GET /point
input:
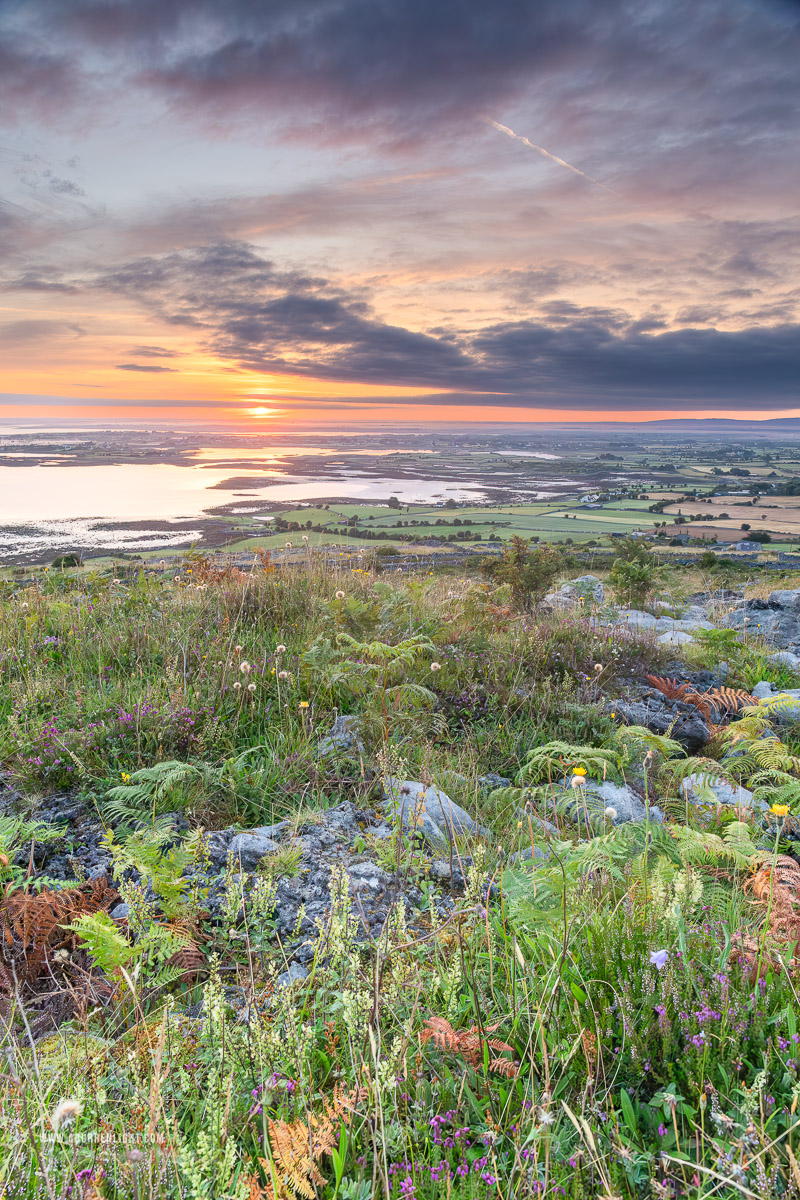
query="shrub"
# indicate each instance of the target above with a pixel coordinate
(529, 572)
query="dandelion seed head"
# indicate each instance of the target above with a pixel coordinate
(64, 1112)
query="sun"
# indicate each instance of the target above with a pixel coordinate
(262, 412)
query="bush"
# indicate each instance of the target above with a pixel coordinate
(528, 571)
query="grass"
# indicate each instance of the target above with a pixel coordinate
(617, 1019)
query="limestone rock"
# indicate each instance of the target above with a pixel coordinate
(427, 809)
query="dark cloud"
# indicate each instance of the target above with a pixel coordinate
(259, 318)
(34, 78)
(150, 369)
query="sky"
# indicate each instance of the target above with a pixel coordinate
(327, 211)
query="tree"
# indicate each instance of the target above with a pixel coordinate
(393, 502)
(761, 535)
(744, 526)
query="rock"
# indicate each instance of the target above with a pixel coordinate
(700, 789)
(490, 781)
(636, 618)
(679, 721)
(587, 586)
(675, 638)
(781, 627)
(250, 847)
(785, 658)
(295, 974)
(426, 809)
(626, 804)
(120, 912)
(342, 739)
(787, 708)
(785, 598)
(527, 854)
(680, 625)
(368, 877)
(444, 872)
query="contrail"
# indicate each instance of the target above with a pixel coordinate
(541, 150)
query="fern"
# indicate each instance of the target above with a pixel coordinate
(149, 956)
(637, 739)
(143, 851)
(554, 759)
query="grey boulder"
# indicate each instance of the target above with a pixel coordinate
(342, 739)
(785, 598)
(250, 847)
(679, 721)
(675, 637)
(427, 810)
(785, 658)
(295, 974)
(702, 789)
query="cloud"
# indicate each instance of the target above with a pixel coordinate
(152, 352)
(34, 79)
(260, 318)
(20, 333)
(151, 369)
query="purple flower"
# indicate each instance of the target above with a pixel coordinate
(659, 958)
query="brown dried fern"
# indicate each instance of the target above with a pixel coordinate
(469, 1044)
(298, 1146)
(33, 927)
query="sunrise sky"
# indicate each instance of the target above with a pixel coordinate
(399, 210)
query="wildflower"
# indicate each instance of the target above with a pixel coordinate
(305, 537)
(780, 810)
(579, 771)
(283, 674)
(598, 667)
(288, 546)
(125, 776)
(340, 595)
(578, 781)
(245, 667)
(435, 666)
(611, 813)
(303, 704)
(280, 649)
(237, 649)
(251, 687)
(65, 1110)
(236, 686)
(659, 959)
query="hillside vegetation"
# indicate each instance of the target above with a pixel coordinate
(344, 886)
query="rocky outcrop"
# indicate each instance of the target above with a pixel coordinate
(671, 717)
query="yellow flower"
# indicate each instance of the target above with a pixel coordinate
(780, 810)
(579, 771)
(125, 776)
(303, 704)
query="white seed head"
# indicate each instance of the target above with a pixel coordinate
(435, 666)
(611, 813)
(65, 1111)
(280, 649)
(251, 687)
(340, 595)
(245, 667)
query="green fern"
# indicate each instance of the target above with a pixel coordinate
(143, 851)
(148, 957)
(553, 760)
